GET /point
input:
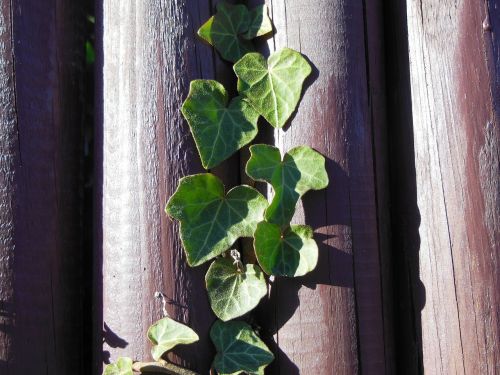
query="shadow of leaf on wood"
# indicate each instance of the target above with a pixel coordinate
(113, 340)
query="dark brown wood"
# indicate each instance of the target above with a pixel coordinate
(455, 79)
(150, 54)
(41, 55)
(336, 320)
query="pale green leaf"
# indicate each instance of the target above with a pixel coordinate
(273, 87)
(219, 130)
(166, 333)
(224, 31)
(234, 292)
(211, 221)
(239, 349)
(302, 169)
(287, 252)
(123, 366)
(260, 23)
(161, 367)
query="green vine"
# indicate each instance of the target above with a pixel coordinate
(212, 220)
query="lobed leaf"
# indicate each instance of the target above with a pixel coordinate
(301, 170)
(232, 292)
(260, 23)
(290, 252)
(219, 130)
(123, 366)
(239, 349)
(161, 367)
(273, 87)
(211, 221)
(166, 333)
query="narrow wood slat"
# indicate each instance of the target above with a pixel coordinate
(41, 57)
(454, 70)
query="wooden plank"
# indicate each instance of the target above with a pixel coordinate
(150, 54)
(333, 320)
(40, 118)
(454, 85)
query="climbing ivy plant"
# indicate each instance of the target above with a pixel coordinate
(212, 220)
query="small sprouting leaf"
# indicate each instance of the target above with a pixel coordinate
(301, 170)
(211, 221)
(224, 29)
(239, 349)
(273, 87)
(123, 366)
(166, 333)
(219, 130)
(233, 292)
(260, 23)
(287, 252)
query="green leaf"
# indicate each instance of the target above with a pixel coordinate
(260, 23)
(273, 87)
(232, 292)
(161, 367)
(166, 333)
(287, 252)
(224, 29)
(238, 349)
(219, 130)
(212, 221)
(123, 366)
(301, 170)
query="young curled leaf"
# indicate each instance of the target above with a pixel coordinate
(273, 86)
(232, 27)
(219, 129)
(239, 349)
(211, 221)
(233, 292)
(301, 170)
(287, 252)
(166, 333)
(123, 366)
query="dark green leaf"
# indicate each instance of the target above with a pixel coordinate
(273, 87)
(301, 170)
(260, 24)
(212, 221)
(166, 333)
(234, 292)
(219, 130)
(285, 252)
(224, 29)
(239, 349)
(123, 366)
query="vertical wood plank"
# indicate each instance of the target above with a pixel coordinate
(333, 321)
(41, 55)
(454, 85)
(150, 55)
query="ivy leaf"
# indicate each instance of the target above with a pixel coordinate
(273, 87)
(166, 333)
(212, 221)
(287, 252)
(123, 366)
(161, 367)
(232, 292)
(224, 29)
(260, 23)
(219, 130)
(301, 170)
(239, 349)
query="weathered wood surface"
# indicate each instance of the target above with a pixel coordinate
(150, 54)
(41, 56)
(454, 70)
(336, 320)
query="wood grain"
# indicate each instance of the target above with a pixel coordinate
(334, 321)
(454, 86)
(149, 56)
(41, 55)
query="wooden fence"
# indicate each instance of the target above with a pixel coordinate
(404, 103)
